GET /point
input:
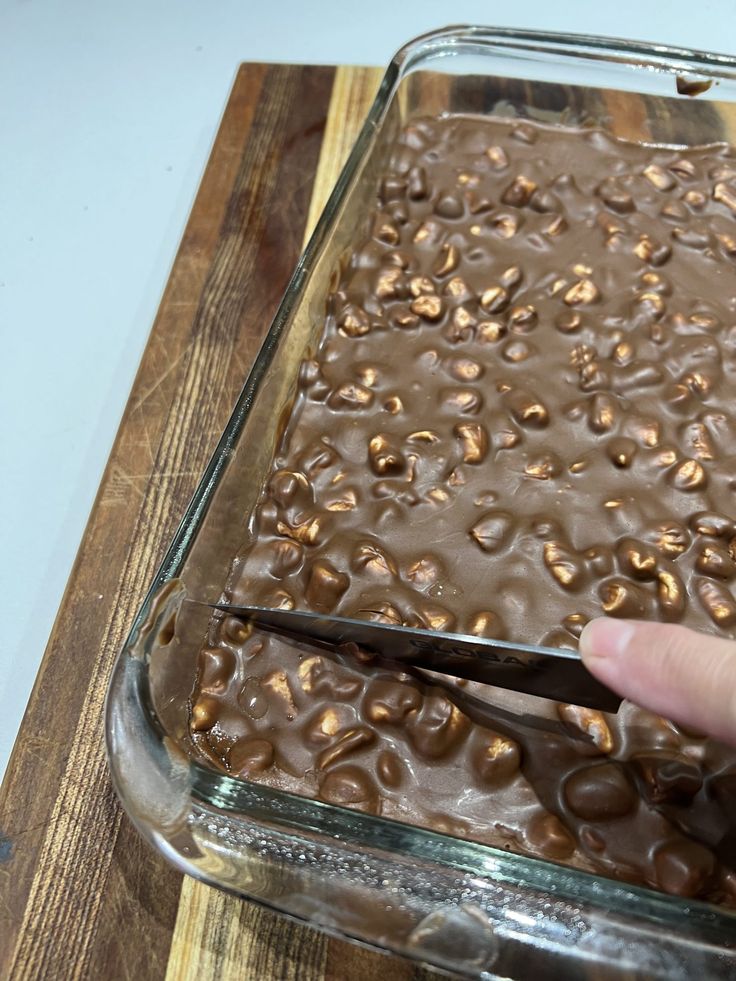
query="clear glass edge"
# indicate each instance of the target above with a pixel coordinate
(463, 855)
(669, 58)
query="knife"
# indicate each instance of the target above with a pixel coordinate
(543, 671)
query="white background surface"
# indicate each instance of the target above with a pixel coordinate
(107, 114)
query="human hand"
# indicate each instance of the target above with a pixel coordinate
(686, 676)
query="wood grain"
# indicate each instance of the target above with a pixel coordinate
(352, 94)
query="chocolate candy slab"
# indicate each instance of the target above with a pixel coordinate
(521, 415)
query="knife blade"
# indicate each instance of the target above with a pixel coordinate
(543, 671)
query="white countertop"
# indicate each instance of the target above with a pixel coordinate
(107, 114)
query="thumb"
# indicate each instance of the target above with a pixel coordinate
(685, 676)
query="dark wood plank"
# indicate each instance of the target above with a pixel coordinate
(80, 896)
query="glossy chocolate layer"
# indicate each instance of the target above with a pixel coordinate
(521, 415)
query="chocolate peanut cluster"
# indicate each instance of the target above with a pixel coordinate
(520, 416)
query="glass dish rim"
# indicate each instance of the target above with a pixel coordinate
(582, 884)
(585, 45)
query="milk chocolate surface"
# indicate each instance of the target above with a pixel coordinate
(520, 415)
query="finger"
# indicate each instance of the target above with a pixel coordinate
(686, 676)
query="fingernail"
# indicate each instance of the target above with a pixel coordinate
(606, 637)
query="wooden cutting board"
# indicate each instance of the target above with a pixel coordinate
(81, 896)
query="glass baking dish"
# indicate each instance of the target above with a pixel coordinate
(464, 907)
